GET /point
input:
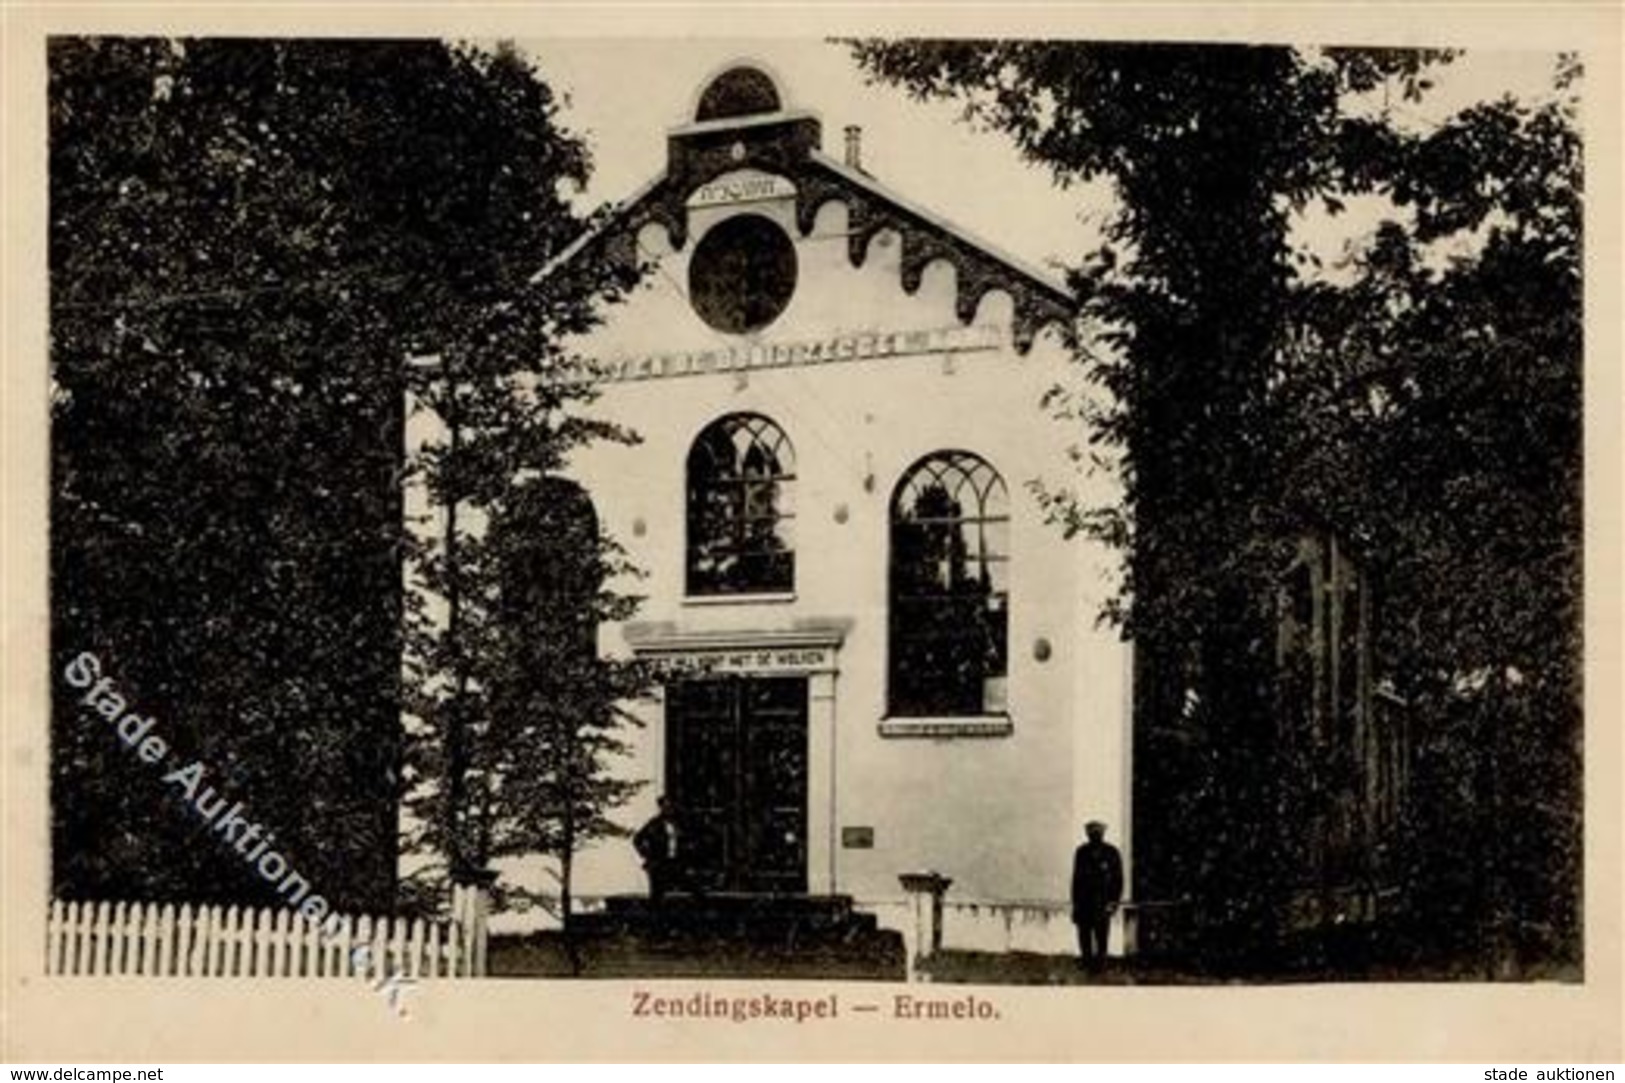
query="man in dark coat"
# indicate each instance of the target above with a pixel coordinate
(659, 844)
(1097, 887)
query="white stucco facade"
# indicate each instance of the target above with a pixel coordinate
(866, 378)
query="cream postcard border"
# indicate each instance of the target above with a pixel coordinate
(85, 1020)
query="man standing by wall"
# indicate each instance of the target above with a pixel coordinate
(657, 843)
(1097, 886)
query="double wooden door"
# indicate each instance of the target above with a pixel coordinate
(736, 768)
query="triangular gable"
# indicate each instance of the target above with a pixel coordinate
(787, 144)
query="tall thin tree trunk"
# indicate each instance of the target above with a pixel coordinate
(456, 735)
(567, 849)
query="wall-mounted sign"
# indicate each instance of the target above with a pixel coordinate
(754, 660)
(742, 186)
(851, 346)
(857, 838)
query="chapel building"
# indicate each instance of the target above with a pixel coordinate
(892, 659)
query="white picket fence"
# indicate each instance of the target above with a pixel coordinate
(152, 940)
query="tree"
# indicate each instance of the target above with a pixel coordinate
(247, 239)
(1234, 424)
(514, 718)
(558, 708)
(1210, 149)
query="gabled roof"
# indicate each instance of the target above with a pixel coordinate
(1041, 277)
(787, 144)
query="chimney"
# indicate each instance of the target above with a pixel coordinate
(854, 146)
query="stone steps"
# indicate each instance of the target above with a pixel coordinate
(714, 935)
(763, 919)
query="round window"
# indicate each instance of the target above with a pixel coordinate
(742, 273)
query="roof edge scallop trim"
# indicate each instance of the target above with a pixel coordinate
(1041, 297)
(1040, 276)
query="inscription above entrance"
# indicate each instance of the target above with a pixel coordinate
(812, 648)
(767, 660)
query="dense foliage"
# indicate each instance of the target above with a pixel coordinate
(1438, 405)
(248, 240)
(1430, 417)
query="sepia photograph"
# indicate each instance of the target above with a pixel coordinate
(843, 526)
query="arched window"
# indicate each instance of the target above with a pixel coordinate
(950, 527)
(740, 91)
(741, 479)
(551, 572)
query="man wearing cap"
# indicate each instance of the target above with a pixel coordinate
(1097, 886)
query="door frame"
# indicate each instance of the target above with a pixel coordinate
(811, 650)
